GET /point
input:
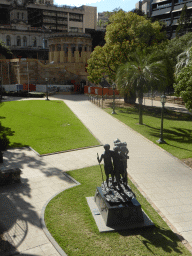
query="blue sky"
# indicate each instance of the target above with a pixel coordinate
(102, 5)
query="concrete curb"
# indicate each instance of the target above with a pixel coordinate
(58, 152)
(42, 220)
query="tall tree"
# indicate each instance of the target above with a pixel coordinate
(183, 81)
(183, 85)
(4, 50)
(140, 73)
(125, 33)
(184, 22)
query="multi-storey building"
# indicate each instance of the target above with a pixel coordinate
(103, 19)
(144, 6)
(169, 11)
(25, 26)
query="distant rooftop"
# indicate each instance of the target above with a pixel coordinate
(69, 7)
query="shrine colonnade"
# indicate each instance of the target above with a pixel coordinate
(69, 52)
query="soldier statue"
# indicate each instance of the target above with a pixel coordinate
(108, 166)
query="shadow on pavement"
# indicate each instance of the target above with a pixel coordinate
(17, 205)
(73, 97)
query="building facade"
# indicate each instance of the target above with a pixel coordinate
(102, 21)
(25, 26)
(169, 11)
(144, 6)
(70, 47)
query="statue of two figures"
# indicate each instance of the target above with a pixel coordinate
(115, 162)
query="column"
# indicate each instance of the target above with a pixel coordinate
(62, 54)
(76, 53)
(69, 53)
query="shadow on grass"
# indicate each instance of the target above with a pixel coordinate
(181, 135)
(155, 236)
(156, 112)
(8, 133)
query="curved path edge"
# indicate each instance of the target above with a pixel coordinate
(42, 219)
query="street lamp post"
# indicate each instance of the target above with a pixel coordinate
(102, 84)
(46, 80)
(163, 100)
(113, 99)
(1, 87)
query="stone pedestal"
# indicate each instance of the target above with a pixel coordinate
(126, 214)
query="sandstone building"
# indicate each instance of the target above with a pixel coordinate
(47, 41)
(25, 26)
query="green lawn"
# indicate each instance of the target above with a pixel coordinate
(70, 222)
(177, 130)
(46, 126)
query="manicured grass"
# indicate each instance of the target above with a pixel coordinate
(177, 130)
(70, 222)
(46, 126)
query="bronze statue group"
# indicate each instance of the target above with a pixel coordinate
(115, 162)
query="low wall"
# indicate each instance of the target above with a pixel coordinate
(10, 87)
(39, 87)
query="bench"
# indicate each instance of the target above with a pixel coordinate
(9, 176)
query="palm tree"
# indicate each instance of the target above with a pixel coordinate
(184, 58)
(141, 73)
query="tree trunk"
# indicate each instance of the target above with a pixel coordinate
(130, 98)
(141, 106)
(1, 157)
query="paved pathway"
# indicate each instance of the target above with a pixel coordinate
(164, 180)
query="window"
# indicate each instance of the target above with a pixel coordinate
(73, 29)
(45, 43)
(22, 16)
(65, 48)
(80, 49)
(72, 49)
(18, 15)
(34, 42)
(75, 17)
(58, 47)
(24, 41)
(8, 40)
(18, 41)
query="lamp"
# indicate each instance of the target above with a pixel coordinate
(114, 87)
(1, 87)
(163, 101)
(46, 80)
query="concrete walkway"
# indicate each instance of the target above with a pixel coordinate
(163, 179)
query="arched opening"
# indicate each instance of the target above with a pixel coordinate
(18, 41)
(24, 41)
(34, 42)
(8, 40)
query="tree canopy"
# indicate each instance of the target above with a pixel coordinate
(125, 33)
(183, 80)
(4, 50)
(184, 21)
(183, 85)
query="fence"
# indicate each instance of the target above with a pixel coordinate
(99, 91)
